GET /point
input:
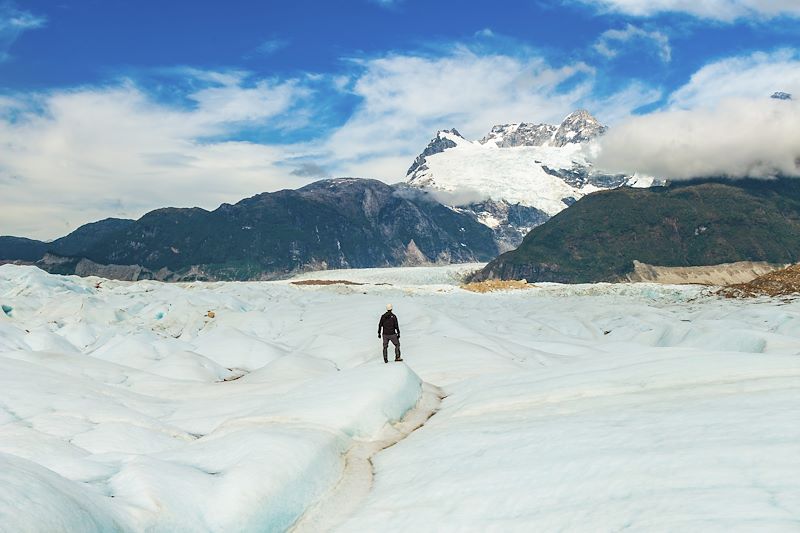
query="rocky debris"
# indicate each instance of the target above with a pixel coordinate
(493, 285)
(414, 256)
(721, 274)
(779, 95)
(783, 282)
(85, 267)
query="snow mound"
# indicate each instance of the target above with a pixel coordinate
(36, 499)
(128, 406)
(600, 407)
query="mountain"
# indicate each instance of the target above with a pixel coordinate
(339, 223)
(540, 168)
(29, 250)
(522, 134)
(87, 236)
(21, 249)
(694, 223)
(579, 127)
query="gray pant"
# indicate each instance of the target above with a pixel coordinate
(396, 341)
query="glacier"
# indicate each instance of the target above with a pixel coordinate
(240, 406)
(547, 167)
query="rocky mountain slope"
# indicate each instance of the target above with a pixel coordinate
(705, 222)
(539, 169)
(338, 223)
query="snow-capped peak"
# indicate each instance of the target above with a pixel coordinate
(443, 140)
(578, 127)
(536, 165)
(521, 134)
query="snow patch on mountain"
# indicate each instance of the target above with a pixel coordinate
(512, 174)
(538, 165)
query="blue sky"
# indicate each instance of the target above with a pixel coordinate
(118, 107)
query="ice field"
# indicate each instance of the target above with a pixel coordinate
(267, 406)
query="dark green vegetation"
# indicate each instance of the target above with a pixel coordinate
(21, 249)
(29, 250)
(703, 222)
(88, 235)
(342, 223)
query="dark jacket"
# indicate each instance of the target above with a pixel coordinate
(388, 323)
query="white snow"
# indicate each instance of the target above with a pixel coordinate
(514, 174)
(594, 407)
(114, 411)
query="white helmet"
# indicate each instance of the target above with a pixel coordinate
(388, 307)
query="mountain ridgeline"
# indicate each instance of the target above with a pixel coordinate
(30, 250)
(526, 189)
(702, 222)
(339, 223)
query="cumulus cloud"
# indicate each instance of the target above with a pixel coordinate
(116, 151)
(737, 138)
(13, 23)
(612, 43)
(751, 76)
(721, 123)
(720, 10)
(404, 98)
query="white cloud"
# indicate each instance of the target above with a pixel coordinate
(738, 138)
(721, 123)
(69, 157)
(406, 98)
(116, 150)
(613, 42)
(752, 76)
(14, 23)
(270, 46)
(721, 10)
(387, 3)
(231, 103)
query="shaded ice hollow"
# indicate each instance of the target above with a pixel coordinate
(125, 406)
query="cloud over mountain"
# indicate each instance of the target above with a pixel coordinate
(721, 123)
(737, 138)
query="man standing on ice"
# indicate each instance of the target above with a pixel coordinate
(391, 332)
